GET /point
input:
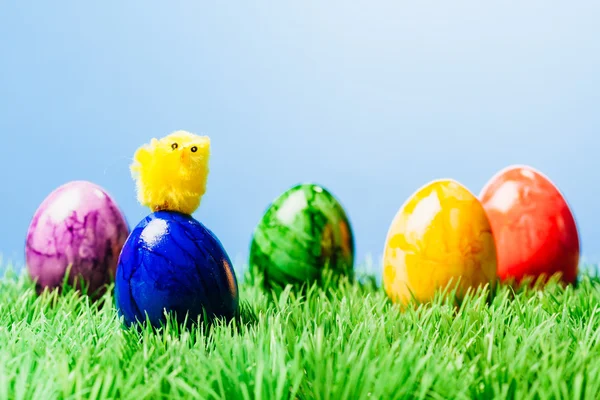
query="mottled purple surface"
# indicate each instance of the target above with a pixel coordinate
(77, 224)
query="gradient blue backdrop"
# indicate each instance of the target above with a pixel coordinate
(371, 99)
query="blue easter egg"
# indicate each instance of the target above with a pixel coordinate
(171, 262)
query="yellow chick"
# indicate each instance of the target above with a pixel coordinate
(171, 172)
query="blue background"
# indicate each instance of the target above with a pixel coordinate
(371, 99)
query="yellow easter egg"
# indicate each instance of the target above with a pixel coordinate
(440, 237)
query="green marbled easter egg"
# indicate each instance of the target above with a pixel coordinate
(303, 233)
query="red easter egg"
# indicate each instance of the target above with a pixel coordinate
(534, 229)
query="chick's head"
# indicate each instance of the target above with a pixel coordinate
(186, 154)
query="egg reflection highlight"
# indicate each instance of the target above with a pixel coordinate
(440, 236)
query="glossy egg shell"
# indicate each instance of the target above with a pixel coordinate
(440, 234)
(173, 263)
(302, 233)
(535, 231)
(77, 225)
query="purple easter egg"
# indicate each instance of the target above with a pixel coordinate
(77, 225)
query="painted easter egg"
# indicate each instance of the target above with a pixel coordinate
(440, 237)
(78, 226)
(535, 231)
(172, 263)
(303, 233)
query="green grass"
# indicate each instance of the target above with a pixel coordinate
(334, 343)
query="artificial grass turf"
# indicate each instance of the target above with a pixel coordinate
(345, 342)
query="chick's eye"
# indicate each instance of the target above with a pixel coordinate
(174, 146)
(194, 149)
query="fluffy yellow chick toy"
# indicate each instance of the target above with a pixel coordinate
(171, 172)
